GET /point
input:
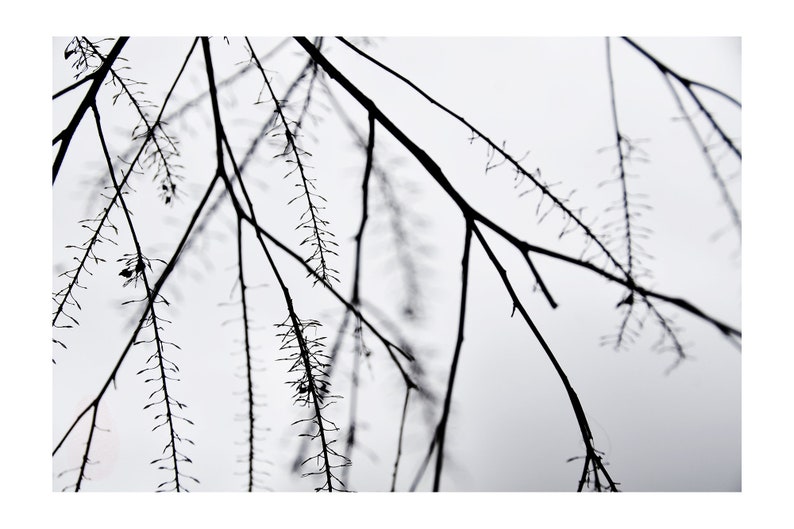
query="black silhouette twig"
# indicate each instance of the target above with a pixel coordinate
(319, 238)
(688, 85)
(442, 424)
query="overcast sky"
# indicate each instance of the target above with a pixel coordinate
(511, 427)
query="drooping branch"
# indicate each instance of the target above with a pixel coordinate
(531, 175)
(400, 439)
(715, 173)
(442, 424)
(468, 211)
(688, 85)
(66, 294)
(247, 344)
(196, 101)
(355, 299)
(402, 231)
(161, 281)
(309, 91)
(391, 347)
(135, 268)
(154, 134)
(81, 476)
(625, 148)
(360, 349)
(368, 146)
(619, 142)
(306, 350)
(311, 387)
(255, 143)
(581, 418)
(320, 238)
(65, 136)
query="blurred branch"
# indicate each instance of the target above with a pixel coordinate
(715, 173)
(404, 234)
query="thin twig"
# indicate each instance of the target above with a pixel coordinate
(247, 342)
(316, 224)
(400, 439)
(442, 425)
(139, 271)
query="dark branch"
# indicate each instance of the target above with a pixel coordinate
(688, 84)
(442, 425)
(65, 136)
(468, 211)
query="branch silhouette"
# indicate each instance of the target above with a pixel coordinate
(688, 85)
(469, 212)
(235, 180)
(66, 294)
(320, 236)
(64, 138)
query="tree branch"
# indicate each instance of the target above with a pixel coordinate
(442, 425)
(467, 210)
(65, 136)
(688, 84)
